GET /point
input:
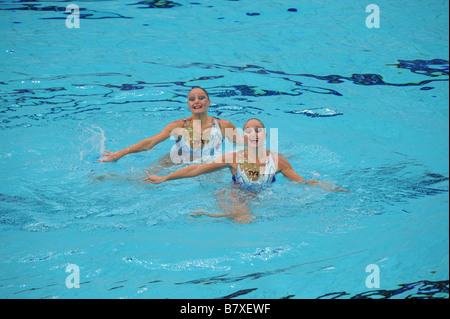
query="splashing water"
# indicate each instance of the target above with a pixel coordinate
(93, 142)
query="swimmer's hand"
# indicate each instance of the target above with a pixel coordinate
(154, 179)
(110, 156)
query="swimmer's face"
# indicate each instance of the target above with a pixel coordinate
(198, 101)
(254, 133)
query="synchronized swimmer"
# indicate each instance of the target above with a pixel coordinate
(203, 140)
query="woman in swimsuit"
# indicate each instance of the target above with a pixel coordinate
(254, 167)
(199, 137)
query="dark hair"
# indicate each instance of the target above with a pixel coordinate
(197, 87)
(254, 118)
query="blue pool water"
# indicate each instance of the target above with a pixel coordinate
(365, 108)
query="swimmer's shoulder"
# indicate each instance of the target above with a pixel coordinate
(179, 123)
(277, 156)
(175, 128)
(225, 123)
(280, 162)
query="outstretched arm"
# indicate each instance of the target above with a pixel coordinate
(190, 171)
(286, 169)
(144, 145)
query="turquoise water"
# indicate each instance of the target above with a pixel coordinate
(365, 108)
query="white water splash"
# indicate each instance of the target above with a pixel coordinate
(92, 142)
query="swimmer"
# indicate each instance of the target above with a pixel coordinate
(199, 136)
(252, 167)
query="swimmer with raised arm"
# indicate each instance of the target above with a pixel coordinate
(199, 136)
(254, 166)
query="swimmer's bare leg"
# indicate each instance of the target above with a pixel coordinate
(200, 213)
(236, 216)
(234, 206)
(240, 218)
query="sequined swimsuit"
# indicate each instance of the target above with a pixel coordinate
(185, 150)
(266, 178)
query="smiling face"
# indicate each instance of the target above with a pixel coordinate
(198, 101)
(254, 133)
